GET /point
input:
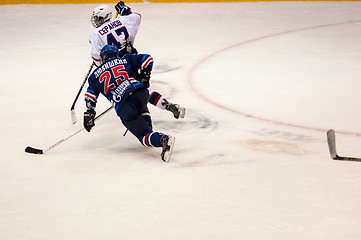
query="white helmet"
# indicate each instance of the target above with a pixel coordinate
(100, 15)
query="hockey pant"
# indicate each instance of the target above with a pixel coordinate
(136, 118)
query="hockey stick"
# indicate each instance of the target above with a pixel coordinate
(42, 151)
(72, 109)
(331, 140)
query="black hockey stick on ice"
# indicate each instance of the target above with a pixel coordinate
(331, 140)
(72, 109)
(42, 151)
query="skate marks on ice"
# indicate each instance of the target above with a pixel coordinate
(164, 68)
(287, 143)
(271, 142)
(286, 135)
(197, 144)
(218, 157)
(166, 65)
(194, 120)
(163, 86)
(213, 159)
(274, 147)
(189, 133)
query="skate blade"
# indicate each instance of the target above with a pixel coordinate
(166, 154)
(182, 112)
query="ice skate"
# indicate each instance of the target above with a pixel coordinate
(178, 111)
(167, 147)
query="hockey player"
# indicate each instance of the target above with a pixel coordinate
(124, 81)
(121, 32)
(118, 31)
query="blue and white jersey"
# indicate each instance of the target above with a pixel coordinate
(116, 79)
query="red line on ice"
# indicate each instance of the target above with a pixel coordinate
(206, 58)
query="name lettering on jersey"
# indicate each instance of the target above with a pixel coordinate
(108, 65)
(109, 27)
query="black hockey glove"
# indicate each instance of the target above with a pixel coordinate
(144, 78)
(128, 49)
(89, 117)
(122, 9)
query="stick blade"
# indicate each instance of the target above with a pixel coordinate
(331, 140)
(73, 116)
(33, 150)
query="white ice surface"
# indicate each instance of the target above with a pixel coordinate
(262, 83)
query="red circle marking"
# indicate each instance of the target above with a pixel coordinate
(206, 58)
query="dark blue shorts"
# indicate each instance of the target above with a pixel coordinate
(131, 112)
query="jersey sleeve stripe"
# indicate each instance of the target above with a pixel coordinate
(147, 62)
(90, 97)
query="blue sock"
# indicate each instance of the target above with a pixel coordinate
(151, 139)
